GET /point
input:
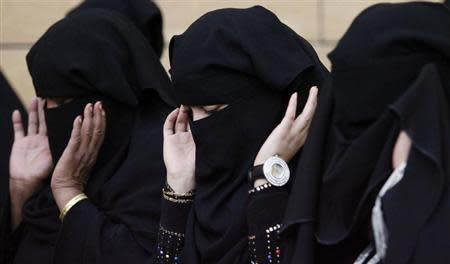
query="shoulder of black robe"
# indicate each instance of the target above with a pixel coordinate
(250, 60)
(374, 65)
(145, 14)
(8, 103)
(95, 52)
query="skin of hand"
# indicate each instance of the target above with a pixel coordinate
(30, 160)
(179, 151)
(401, 150)
(290, 135)
(73, 168)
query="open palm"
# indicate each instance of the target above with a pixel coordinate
(30, 160)
(179, 151)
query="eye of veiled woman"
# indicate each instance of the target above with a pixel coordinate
(210, 109)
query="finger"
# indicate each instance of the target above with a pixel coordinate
(17, 124)
(188, 127)
(86, 128)
(33, 117)
(75, 137)
(170, 123)
(304, 119)
(292, 108)
(98, 130)
(41, 116)
(182, 120)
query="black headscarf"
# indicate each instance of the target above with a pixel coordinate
(8, 102)
(390, 72)
(250, 60)
(97, 55)
(144, 14)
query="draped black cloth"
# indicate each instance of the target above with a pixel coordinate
(390, 72)
(98, 55)
(145, 14)
(8, 102)
(250, 60)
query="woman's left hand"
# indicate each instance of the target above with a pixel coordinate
(73, 168)
(290, 135)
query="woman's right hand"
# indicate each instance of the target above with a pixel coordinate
(30, 161)
(179, 151)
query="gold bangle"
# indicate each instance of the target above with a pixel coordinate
(70, 204)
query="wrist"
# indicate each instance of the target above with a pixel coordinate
(21, 190)
(259, 182)
(63, 195)
(259, 161)
(181, 185)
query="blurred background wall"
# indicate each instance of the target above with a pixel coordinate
(322, 22)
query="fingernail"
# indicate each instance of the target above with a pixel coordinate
(103, 113)
(100, 105)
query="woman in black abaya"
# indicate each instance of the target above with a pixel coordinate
(233, 72)
(92, 61)
(380, 145)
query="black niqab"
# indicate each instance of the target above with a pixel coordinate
(250, 60)
(97, 55)
(390, 72)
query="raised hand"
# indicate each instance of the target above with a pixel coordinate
(30, 161)
(290, 135)
(179, 151)
(73, 168)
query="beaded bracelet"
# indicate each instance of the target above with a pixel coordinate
(177, 200)
(260, 188)
(169, 194)
(169, 191)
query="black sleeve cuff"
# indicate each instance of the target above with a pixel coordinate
(174, 215)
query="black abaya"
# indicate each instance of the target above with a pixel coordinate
(250, 60)
(95, 55)
(390, 73)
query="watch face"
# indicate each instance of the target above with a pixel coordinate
(276, 171)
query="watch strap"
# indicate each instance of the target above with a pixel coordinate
(256, 173)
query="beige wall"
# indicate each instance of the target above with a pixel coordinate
(322, 22)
